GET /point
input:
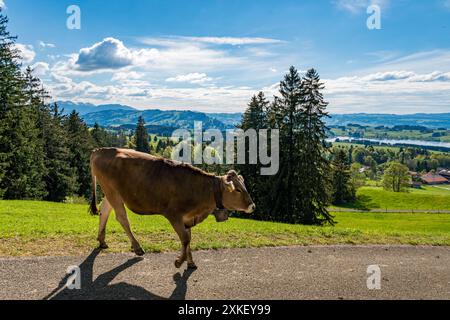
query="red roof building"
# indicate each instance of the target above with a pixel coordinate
(432, 179)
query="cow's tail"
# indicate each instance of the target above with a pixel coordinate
(93, 210)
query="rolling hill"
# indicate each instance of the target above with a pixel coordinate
(175, 119)
(115, 115)
(85, 108)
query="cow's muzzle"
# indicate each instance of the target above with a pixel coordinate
(251, 208)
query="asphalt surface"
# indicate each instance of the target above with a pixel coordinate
(316, 272)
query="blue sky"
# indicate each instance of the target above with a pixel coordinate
(213, 56)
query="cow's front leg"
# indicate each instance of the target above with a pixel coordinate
(105, 210)
(185, 239)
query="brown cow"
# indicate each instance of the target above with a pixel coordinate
(150, 185)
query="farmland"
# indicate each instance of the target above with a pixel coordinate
(30, 228)
(427, 198)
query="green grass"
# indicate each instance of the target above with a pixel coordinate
(427, 198)
(42, 228)
(385, 147)
(372, 133)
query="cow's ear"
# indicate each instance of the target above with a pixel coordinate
(232, 174)
(229, 185)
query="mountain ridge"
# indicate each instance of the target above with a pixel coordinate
(118, 115)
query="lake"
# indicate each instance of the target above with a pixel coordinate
(394, 142)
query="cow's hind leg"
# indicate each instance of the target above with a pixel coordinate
(121, 216)
(105, 210)
(185, 238)
(190, 261)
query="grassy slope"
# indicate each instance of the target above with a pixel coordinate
(427, 198)
(41, 228)
(372, 133)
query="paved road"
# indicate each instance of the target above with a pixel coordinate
(317, 272)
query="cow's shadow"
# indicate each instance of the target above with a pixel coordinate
(101, 289)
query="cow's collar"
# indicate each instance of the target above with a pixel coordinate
(217, 189)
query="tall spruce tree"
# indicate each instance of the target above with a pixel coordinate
(80, 146)
(255, 117)
(284, 115)
(99, 135)
(142, 137)
(313, 167)
(10, 92)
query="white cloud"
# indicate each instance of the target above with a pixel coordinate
(383, 55)
(408, 75)
(145, 96)
(357, 6)
(26, 52)
(185, 57)
(384, 92)
(40, 68)
(419, 62)
(194, 78)
(234, 41)
(2, 4)
(65, 88)
(107, 54)
(131, 75)
(42, 44)
(392, 92)
(149, 76)
(111, 54)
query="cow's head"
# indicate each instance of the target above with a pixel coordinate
(235, 196)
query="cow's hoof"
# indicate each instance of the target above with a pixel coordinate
(178, 263)
(139, 252)
(103, 246)
(192, 266)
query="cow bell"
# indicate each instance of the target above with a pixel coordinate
(221, 215)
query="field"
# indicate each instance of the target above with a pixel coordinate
(387, 133)
(428, 198)
(40, 228)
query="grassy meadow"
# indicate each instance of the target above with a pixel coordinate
(427, 198)
(41, 228)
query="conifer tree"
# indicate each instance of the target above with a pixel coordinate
(313, 167)
(142, 137)
(60, 178)
(284, 115)
(99, 136)
(255, 117)
(80, 146)
(21, 150)
(342, 189)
